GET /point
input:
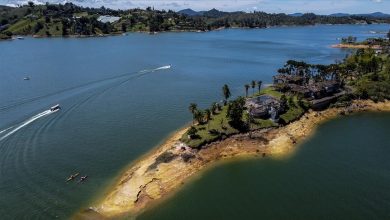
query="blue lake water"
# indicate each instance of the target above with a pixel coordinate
(117, 104)
(343, 172)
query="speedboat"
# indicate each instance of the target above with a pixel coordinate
(72, 177)
(26, 78)
(20, 38)
(55, 108)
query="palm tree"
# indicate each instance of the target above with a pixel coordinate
(253, 85)
(207, 117)
(226, 92)
(207, 114)
(193, 109)
(246, 90)
(259, 84)
(199, 115)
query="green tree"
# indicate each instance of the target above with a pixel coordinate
(301, 103)
(226, 92)
(38, 27)
(199, 116)
(193, 108)
(4, 21)
(235, 111)
(246, 90)
(253, 85)
(192, 132)
(207, 115)
(291, 101)
(124, 27)
(283, 103)
(259, 84)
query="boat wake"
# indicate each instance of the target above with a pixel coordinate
(125, 75)
(12, 130)
(156, 69)
(163, 68)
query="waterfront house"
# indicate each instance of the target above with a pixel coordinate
(263, 106)
(300, 90)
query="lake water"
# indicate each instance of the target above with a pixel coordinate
(343, 172)
(118, 103)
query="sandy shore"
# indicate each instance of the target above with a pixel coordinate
(142, 184)
(355, 46)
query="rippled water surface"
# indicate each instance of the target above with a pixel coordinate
(119, 99)
(343, 172)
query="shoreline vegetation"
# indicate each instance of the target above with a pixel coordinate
(270, 122)
(70, 20)
(140, 186)
(350, 42)
(355, 46)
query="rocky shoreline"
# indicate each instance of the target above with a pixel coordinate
(159, 173)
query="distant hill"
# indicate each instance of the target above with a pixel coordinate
(373, 15)
(190, 12)
(340, 15)
(213, 13)
(296, 14)
(377, 15)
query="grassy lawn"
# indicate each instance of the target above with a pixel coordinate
(293, 113)
(270, 91)
(219, 122)
(262, 123)
(220, 126)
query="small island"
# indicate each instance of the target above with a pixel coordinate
(268, 121)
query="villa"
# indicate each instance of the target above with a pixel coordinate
(263, 106)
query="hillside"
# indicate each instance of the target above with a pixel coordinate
(72, 20)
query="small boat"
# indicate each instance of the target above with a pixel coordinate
(26, 78)
(20, 38)
(72, 177)
(83, 178)
(55, 108)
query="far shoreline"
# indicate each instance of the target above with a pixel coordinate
(342, 46)
(355, 46)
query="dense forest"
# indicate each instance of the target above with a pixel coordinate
(69, 19)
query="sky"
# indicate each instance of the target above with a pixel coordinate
(271, 6)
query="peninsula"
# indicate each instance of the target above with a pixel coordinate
(267, 122)
(374, 43)
(70, 20)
